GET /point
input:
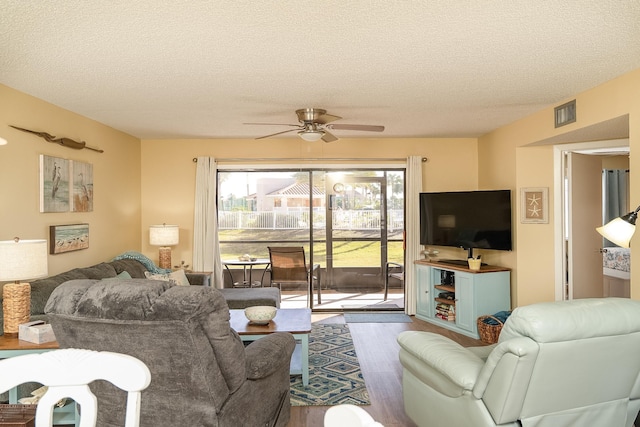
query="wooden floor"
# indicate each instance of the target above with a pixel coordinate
(377, 351)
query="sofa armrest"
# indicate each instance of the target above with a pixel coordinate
(201, 279)
(269, 355)
(439, 362)
(482, 352)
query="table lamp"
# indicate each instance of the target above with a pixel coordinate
(164, 236)
(20, 260)
(621, 229)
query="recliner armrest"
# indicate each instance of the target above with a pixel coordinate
(439, 362)
(268, 354)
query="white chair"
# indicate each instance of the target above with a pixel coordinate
(349, 416)
(68, 372)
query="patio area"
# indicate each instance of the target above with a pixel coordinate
(345, 301)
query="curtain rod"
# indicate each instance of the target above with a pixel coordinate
(294, 159)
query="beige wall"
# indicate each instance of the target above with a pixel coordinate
(168, 172)
(114, 225)
(139, 183)
(504, 157)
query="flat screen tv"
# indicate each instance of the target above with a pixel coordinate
(466, 219)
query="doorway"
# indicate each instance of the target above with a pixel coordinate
(578, 210)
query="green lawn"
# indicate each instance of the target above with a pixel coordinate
(235, 243)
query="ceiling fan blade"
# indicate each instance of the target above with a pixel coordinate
(278, 133)
(369, 128)
(271, 124)
(329, 137)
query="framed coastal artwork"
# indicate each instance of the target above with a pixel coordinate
(68, 238)
(534, 207)
(54, 184)
(81, 186)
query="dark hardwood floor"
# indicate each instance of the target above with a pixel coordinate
(377, 351)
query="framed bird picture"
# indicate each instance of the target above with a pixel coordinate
(67, 238)
(54, 184)
(81, 186)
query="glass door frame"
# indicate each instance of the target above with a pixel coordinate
(313, 173)
(331, 184)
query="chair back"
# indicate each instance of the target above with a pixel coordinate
(578, 361)
(288, 264)
(347, 415)
(182, 333)
(67, 374)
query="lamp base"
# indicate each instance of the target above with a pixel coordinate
(16, 306)
(164, 257)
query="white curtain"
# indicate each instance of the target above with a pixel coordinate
(615, 189)
(412, 229)
(206, 243)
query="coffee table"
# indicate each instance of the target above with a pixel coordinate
(11, 346)
(296, 321)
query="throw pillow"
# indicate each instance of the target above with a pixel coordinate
(120, 276)
(177, 277)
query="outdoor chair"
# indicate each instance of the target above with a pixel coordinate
(392, 270)
(289, 267)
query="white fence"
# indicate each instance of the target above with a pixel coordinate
(293, 220)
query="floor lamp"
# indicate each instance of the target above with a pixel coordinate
(20, 260)
(164, 236)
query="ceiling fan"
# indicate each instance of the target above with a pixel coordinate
(315, 124)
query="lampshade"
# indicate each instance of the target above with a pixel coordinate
(621, 229)
(20, 260)
(311, 135)
(23, 259)
(164, 235)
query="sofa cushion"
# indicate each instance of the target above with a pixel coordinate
(121, 276)
(98, 271)
(176, 277)
(135, 268)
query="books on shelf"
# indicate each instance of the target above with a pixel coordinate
(446, 311)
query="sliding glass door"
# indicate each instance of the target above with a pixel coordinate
(350, 222)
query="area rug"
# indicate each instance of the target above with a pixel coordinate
(334, 372)
(377, 318)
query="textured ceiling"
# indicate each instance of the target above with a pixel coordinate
(200, 69)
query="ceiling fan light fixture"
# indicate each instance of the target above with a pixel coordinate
(311, 135)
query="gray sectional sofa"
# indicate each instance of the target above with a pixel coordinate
(41, 289)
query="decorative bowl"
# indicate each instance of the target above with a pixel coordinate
(260, 314)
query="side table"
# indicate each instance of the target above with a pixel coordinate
(246, 272)
(12, 347)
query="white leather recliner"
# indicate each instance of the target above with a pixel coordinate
(566, 363)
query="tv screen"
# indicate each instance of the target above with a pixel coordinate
(466, 219)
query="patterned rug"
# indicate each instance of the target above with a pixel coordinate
(334, 372)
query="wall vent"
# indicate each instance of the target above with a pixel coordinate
(565, 113)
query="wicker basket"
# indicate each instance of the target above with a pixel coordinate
(16, 305)
(489, 333)
(17, 415)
